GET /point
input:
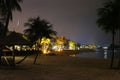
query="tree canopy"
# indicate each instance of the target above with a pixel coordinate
(6, 10)
(36, 28)
(109, 20)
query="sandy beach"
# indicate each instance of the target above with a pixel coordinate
(61, 68)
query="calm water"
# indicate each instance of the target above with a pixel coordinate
(106, 54)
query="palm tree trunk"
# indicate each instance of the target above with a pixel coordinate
(113, 44)
(7, 23)
(0, 55)
(37, 53)
(35, 58)
(13, 54)
(118, 66)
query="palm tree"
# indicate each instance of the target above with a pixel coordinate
(109, 21)
(6, 10)
(38, 28)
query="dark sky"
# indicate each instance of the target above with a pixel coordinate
(74, 19)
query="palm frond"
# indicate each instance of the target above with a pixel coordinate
(39, 28)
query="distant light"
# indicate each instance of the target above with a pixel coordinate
(105, 47)
(55, 47)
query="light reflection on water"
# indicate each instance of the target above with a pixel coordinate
(103, 54)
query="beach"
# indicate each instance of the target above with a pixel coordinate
(61, 68)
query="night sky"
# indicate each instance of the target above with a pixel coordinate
(74, 19)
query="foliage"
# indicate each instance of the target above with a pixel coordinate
(6, 10)
(109, 20)
(36, 28)
(45, 40)
(72, 45)
(60, 40)
(108, 17)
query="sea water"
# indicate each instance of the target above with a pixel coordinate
(99, 54)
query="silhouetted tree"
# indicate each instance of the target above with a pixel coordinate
(38, 28)
(109, 20)
(6, 10)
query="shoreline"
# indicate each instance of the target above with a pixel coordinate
(70, 52)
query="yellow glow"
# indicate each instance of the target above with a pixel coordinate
(60, 41)
(45, 40)
(89, 46)
(72, 45)
(59, 50)
(44, 52)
